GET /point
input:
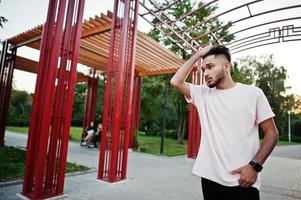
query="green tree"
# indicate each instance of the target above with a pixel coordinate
(100, 97)
(242, 74)
(176, 12)
(19, 108)
(271, 79)
(151, 102)
(80, 94)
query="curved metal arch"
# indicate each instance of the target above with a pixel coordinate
(191, 44)
(288, 31)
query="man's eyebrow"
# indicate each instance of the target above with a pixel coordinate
(210, 63)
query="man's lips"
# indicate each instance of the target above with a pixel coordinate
(208, 80)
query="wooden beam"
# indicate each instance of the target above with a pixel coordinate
(159, 72)
(96, 30)
(31, 66)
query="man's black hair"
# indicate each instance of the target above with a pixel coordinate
(219, 50)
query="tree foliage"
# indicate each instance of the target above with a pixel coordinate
(19, 108)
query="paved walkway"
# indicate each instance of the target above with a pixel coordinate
(161, 178)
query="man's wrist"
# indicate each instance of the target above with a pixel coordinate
(256, 166)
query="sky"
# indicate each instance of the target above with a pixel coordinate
(23, 15)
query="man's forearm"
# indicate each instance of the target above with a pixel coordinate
(266, 147)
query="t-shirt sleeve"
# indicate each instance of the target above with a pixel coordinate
(263, 108)
(196, 93)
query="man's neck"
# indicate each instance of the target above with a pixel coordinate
(227, 83)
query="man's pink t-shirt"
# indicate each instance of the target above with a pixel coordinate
(229, 125)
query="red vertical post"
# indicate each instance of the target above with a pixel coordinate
(190, 122)
(105, 146)
(119, 89)
(119, 93)
(194, 128)
(138, 103)
(6, 76)
(136, 109)
(58, 112)
(3, 67)
(91, 99)
(3, 59)
(130, 89)
(52, 105)
(70, 87)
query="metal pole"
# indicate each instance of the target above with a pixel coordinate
(289, 126)
(164, 116)
(69, 97)
(106, 120)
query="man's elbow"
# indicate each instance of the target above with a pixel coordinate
(175, 83)
(275, 136)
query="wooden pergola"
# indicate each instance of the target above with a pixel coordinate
(151, 57)
(107, 43)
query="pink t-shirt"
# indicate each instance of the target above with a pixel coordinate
(229, 122)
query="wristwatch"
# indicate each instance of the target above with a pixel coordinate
(256, 166)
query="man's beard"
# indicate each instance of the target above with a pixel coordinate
(219, 79)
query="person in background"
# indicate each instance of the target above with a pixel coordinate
(91, 130)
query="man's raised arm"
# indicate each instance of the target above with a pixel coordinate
(178, 80)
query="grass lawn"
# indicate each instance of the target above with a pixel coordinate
(282, 142)
(12, 164)
(151, 144)
(16, 129)
(75, 132)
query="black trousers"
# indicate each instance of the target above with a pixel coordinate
(215, 191)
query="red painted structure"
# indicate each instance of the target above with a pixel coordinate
(7, 61)
(135, 122)
(118, 92)
(91, 99)
(194, 127)
(52, 104)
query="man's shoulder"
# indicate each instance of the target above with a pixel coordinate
(251, 88)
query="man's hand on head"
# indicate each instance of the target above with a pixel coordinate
(203, 50)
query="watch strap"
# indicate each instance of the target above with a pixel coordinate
(256, 166)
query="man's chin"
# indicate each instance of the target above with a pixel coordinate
(211, 85)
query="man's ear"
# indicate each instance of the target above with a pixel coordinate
(227, 67)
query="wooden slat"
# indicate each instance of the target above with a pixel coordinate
(96, 30)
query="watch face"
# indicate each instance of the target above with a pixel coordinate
(256, 166)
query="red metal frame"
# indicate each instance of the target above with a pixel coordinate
(91, 100)
(119, 93)
(6, 76)
(135, 122)
(52, 105)
(194, 126)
